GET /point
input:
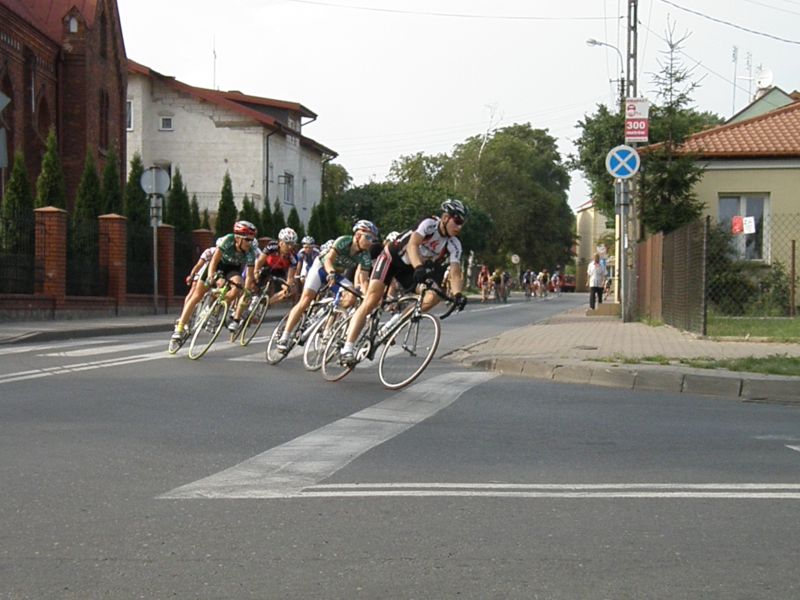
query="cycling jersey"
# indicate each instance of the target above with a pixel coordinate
(306, 258)
(344, 260)
(231, 256)
(434, 246)
(277, 261)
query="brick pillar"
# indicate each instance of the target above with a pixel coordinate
(166, 262)
(51, 254)
(201, 239)
(114, 254)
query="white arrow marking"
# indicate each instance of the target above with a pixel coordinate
(797, 448)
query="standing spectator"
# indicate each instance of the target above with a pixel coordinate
(597, 279)
(484, 283)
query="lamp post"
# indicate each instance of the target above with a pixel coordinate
(594, 42)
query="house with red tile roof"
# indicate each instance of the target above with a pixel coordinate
(752, 169)
(204, 132)
(63, 65)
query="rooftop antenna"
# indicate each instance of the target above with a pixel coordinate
(214, 50)
(749, 78)
(735, 58)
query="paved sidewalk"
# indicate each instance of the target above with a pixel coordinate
(576, 348)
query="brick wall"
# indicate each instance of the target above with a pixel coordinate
(166, 262)
(113, 255)
(51, 254)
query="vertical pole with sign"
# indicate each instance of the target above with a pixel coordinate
(155, 182)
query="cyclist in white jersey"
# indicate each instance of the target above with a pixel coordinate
(413, 258)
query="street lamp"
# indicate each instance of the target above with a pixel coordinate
(594, 42)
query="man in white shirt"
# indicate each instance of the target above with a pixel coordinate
(597, 280)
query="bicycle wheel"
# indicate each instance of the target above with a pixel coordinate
(332, 367)
(253, 322)
(207, 329)
(318, 339)
(409, 350)
(274, 356)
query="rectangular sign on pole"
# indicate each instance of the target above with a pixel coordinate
(637, 120)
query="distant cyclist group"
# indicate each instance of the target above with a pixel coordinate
(356, 297)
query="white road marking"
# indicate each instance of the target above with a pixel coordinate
(87, 366)
(15, 349)
(107, 349)
(284, 471)
(793, 447)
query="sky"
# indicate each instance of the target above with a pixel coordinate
(389, 78)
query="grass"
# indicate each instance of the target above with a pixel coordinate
(773, 329)
(777, 364)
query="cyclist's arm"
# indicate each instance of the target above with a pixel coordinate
(249, 278)
(328, 262)
(212, 267)
(362, 278)
(456, 279)
(412, 249)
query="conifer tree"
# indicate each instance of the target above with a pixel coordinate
(315, 226)
(50, 188)
(195, 213)
(278, 220)
(178, 210)
(250, 213)
(111, 192)
(88, 205)
(226, 213)
(137, 205)
(267, 225)
(16, 216)
(205, 223)
(295, 223)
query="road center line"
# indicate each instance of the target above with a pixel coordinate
(284, 471)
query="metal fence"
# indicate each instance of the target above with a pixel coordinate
(84, 276)
(17, 255)
(140, 259)
(682, 296)
(754, 274)
(184, 250)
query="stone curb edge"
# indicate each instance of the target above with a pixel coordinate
(748, 387)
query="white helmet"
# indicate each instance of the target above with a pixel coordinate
(308, 241)
(392, 236)
(288, 235)
(326, 246)
(364, 225)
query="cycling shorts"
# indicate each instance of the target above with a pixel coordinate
(317, 277)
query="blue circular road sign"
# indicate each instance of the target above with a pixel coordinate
(623, 162)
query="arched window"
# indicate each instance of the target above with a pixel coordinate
(73, 25)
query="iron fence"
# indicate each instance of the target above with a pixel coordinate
(84, 276)
(17, 255)
(184, 250)
(140, 259)
(683, 276)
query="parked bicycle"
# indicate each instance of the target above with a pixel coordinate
(409, 339)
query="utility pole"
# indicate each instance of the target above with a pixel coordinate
(631, 227)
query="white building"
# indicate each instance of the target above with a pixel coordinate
(206, 132)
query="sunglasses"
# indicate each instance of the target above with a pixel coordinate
(457, 220)
(369, 237)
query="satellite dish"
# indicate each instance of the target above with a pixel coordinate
(764, 79)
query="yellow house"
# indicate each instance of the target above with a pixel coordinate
(593, 232)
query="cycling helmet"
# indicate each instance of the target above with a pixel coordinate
(364, 225)
(288, 235)
(326, 246)
(244, 228)
(391, 237)
(308, 241)
(454, 208)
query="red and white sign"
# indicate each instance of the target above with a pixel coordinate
(737, 225)
(637, 123)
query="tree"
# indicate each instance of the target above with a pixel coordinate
(16, 216)
(250, 213)
(335, 181)
(278, 220)
(88, 206)
(667, 198)
(178, 212)
(137, 205)
(267, 225)
(206, 221)
(315, 224)
(418, 167)
(195, 207)
(50, 188)
(226, 212)
(111, 191)
(295, 223)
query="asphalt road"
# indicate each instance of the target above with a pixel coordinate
(126, 473)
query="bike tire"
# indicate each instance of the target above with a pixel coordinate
(409, 350)
(318, 339)
(254, 320)
(273, 355)
(208, 329)
(332, 368)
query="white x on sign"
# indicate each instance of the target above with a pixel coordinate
(622, 162)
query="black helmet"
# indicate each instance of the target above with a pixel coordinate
(454, 208)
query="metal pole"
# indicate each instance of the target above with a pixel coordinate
(626, 279)
(793, 288)
(154, 224)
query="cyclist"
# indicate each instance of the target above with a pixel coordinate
(484, 283)
(347, 251)
(305, 258)
(233, 253)
(413, 258)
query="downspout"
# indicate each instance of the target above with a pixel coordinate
(266, 165)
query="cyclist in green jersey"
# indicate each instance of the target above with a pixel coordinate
(347, 251)
(234, 252)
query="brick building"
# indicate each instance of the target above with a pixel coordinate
(63, 65)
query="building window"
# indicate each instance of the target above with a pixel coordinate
(73, 25)
(165, 124)
(749, 246)
(129, 115)
(288, 188)
(104, 116)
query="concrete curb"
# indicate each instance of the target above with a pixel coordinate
(743, 386)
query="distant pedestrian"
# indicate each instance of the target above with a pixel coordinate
(597, 279)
